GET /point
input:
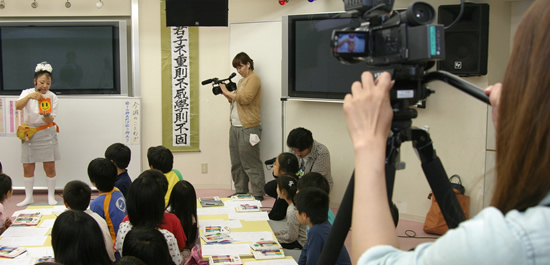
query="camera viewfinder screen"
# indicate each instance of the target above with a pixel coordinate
(351, 42)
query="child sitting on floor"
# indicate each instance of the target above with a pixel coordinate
(316, 180)
(285, 163)
(5, 192)
(312, 205)
(294, 236)
(161, 158)
(183, 204)
(76, 196)
(120, 154)
(110, 204)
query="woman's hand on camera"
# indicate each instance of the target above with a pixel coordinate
(367, 109)
(494, 92)
(224, 88)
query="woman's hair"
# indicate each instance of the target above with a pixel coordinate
(5, 186)
(183, 204)
(288, 163)
(242, 59)
(300, 138)
(288, 184)
(145, 201)
(147, 244)
(522, 161)
(77, 239)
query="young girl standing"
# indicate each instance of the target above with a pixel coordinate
(294, 236)
(5, 192)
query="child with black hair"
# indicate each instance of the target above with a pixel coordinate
(312, 205)
(170, 221)
(129, 260)
(285, 163)
(294, 236)
(146, 209)
(316, 180)
(119, 154)
(76, 196)
(5, 192)
(183, 204)
(110, 204)
(148, 245)
(161, 158)
(77, 240)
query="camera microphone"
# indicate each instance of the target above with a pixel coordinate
(270, 161)
(208, 81)
(232, 75)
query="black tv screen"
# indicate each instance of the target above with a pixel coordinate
(309, 68)
(85, 59)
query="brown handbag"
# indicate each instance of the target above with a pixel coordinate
(435, 222)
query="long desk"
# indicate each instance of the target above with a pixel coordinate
(247, 226)
(36, 239)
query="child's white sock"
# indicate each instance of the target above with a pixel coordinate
(29, 184)
(51, 191)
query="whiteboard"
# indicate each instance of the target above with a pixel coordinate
(87, 126)
(262, 42)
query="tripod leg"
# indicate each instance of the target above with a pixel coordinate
(437, 178)
(340, 228)
(343, 220)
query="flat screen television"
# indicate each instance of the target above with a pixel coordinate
(88, 57)
(309, 69)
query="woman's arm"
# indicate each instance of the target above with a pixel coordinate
(368, 118)
(21, 103)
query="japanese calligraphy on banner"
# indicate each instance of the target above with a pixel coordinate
(131, 113)
(180, 95)
(179, 39)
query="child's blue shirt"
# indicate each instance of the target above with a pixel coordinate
(316, 240)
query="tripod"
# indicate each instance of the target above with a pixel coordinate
(431, 164)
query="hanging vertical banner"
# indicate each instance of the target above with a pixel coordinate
(135, 122)
(179, 39)
(180, 95)
(131, 122)
(15, 117)
(2, 118)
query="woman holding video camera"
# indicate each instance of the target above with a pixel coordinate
(515, 229)
(245, 131)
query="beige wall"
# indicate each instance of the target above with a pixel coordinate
(458, 123)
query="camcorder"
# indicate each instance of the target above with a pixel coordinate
(230, 85)
(402, 43)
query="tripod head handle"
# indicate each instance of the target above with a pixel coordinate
(457, 82)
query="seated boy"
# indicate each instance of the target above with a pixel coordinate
(159, 157)
(76, 196)
(312, 205)
(110, 204)
(119, 154)
(316, 180)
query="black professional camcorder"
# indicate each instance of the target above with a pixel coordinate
(402, 43)
(216, 82)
